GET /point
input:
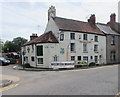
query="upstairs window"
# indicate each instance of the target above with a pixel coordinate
(96, 38)
(95, 48)
(113, 56)
(84, 36)
(113, 40)
(32, 48)
(61, 37)
(72, 36)
(84, 47)
(72, 47)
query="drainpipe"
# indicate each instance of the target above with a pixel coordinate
(67, 52)
(35, 55)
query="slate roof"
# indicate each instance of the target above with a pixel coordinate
(48, 37)
(107, 29)
(116, 27)
(77, 26)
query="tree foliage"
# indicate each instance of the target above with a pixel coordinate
(14, 45)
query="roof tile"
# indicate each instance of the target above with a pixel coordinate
(74, 25)
(48, 37)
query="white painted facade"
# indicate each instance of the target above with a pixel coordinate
(62, 51)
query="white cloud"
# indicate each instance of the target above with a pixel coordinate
(21, 19)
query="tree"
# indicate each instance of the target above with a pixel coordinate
(8, 47)
(15, 45)
(18, 42)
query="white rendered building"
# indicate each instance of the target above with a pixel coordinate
(66, 40)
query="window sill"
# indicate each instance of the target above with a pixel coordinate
(85, 51)
(112, 44)
(95, 51)
(73, 51)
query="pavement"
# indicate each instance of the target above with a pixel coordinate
(8, 80)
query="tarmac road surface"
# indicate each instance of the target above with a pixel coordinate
(95, 81)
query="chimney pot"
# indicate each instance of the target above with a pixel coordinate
(33, 36)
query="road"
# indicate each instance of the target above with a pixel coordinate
(95, 81)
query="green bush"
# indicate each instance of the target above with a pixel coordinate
(27, 65)
(92, 64)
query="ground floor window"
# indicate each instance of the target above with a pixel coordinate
(32, 58)
(40, 60)
(55, 58)
(96, 59)
(72, 58)
(91, 57)
(26, 59)
(79, 57)
(85, 58)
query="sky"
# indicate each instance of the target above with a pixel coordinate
(21, 18)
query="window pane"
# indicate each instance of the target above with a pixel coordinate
(91, 57)
(55, 58)
(39, 50)
(72, 58)
(72, 36)
(113, 55)
(72, 47)
(84, 36)
(79, 57)
(84, 47)
(85, 58)
(96, 38)
(61, 37)
(96, 48)
(40, 60)
(32, 58)
(113, 40)
(96, 59)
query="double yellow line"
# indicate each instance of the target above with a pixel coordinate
(8, 87)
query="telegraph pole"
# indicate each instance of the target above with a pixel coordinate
(38, 28)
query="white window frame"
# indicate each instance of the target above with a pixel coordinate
(113, 40)
(61, 36)
(85, 47)
(39, 61)
(96, 48)
(72, 36)
(72, 47)
(85, 36)
(55, 58)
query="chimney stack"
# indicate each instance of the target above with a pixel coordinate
(92, 19)
(33, 36)
(112, 19)
(51, 12)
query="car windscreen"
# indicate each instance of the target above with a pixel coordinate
(2, 59)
